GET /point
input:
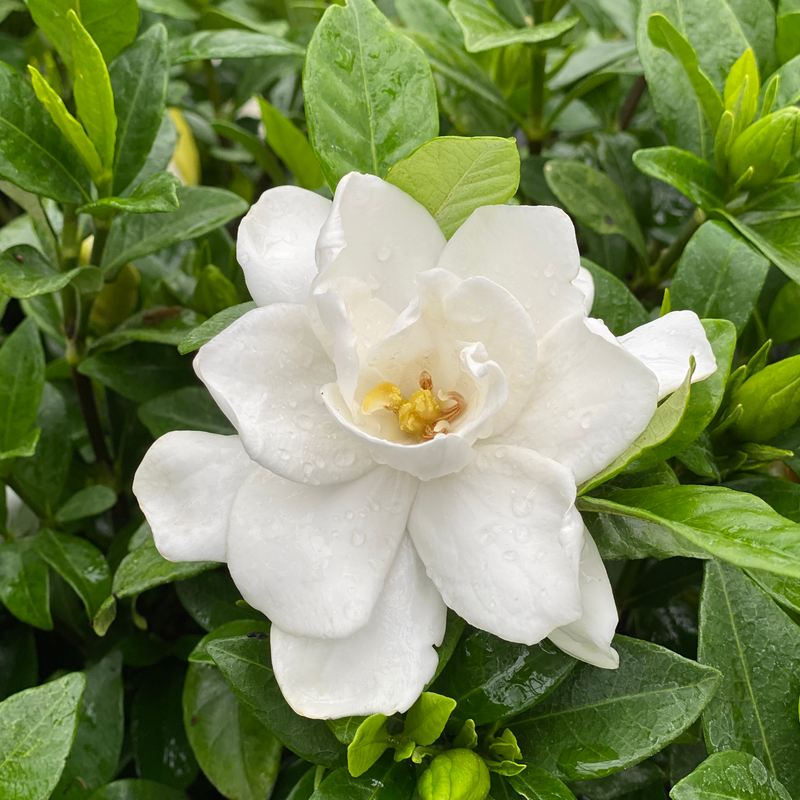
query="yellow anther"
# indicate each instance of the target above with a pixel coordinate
(384, 395)
(419, 412)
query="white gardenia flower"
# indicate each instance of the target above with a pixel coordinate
(414, 416)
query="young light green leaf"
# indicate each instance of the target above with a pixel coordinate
(354, 123)
(594, 199)
(368, 745)
(37, 728)
(25, 583)
(742, 87)
(751, 711)
(25, 272)
(79, 563)
(426, 719)
(235, 751)
(93, 95)
(210, 328)
(692, 176)
(88, 502)
(67, 124)
(766, 147)
(467, 737)
(452, 176)
(592, 726)
(291, 146)
(156, 194)
(230, 44)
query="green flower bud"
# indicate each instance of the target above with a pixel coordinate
(214, 292)
(455, 775)
(768, 147)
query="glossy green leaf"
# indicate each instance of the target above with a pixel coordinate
(452, 176)
(133, 789)
(202, 208)
(735, 526)
(25, 272)
(782, 495)
(601, 721)
(387, 780)
(235, 751)
(87, 502)
(93, 759)
(37, 728)
(18, 661)
(80, 563)
(746, 636)
(370, 742)
(485, 28)
(230, 44)
(783, 590)
(783, 323)
(614, 303)
(210, 328)
(369, 95)
(247, 667)
(692, 176)
(25, 583)
(730, 776)
(426, 719)
(228, 630)
(766, 148)
(189, 409)
(595, 200)
(156, 194)
(93, 94)
(719, 275)
(491, 679)
(536, 783)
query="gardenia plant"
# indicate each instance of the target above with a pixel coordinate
(414, 417)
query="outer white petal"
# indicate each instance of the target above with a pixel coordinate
(185, 486)
(502, 540)
(664, 346)
(315, 559)
(591, 400)
(275, 244)
(383, 668)
(265, 372)
(585, 282)
(380, 235)
(529, 250)
(589, 638)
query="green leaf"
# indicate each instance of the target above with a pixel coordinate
(455, 775)
(452, 176)
(37, 727)
(663, 34)
(211, 600)
(491, 679)
(189, 409)
(132, 789)
(18, 660)
(164, 325)
(247, 667)
(770, 400)
(295, 781)
(766, 148)
(385, 781)
(426, 719)
(745, 635)
(369, 95)
(614, 303)
(430, 17)
(21, 384)
(692, 176)
(210, 328)
(731, 525)
(230, 44)
(228, 630)
(79, 563)
(235, 751)
(592, 726)
(34, 155)
(369, 744)
(67, 124)
(782, 495)
(25, 583)
(214, 292)
(24, 448)
(730, 776)
(88, 502)
(93, 759)
(202, 209)
(485, 28)
(783, 323)
(536, 783)
(785, 591)
(157, 193)
(719, 275)
(788, 36)
(291, 146)
(92, 89)
(595, 200)
(741, 90)
(25, 272)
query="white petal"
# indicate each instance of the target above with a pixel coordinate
(185, 486)
(585, 282)
(380, 235)
(265, 372)
(664, 346)
(383, 668)
(529, 250)
(314, 558)
(275, 244)
(501, 540)
(589, 638)
(590, 401)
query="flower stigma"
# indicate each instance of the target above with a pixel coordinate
(422, 415)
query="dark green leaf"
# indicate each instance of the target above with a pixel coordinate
(784, 321)
(385, 781)
(730, 776)
(228, 630)
(782, 495)
(165, 325)
(157, 193)
(132, 789)
(25, 272)
(430, 17)
(211, 597)
(369, 94)
(189, 409)
(37, 727)
(614, 303)
(18, 661)
(230, 44)
(235, 751)
(692, 176)
(536, 783)
(745, 635)
(87, 502)
(210, 328)
(261, 153)
(601, 721)
(491, 679)
(247, 667)
(25, 583)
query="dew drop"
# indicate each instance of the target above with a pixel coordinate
(510, 555)
(304, 422)
(358, 538)
(586, 420)
(384, 253)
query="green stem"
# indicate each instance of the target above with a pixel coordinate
(538, 131)
(101, 231)
(214, 94)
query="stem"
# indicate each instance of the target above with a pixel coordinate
(538, 132)
(213, 87)
(91, 417)
(667, 261)
(632, 102)
(101, 231)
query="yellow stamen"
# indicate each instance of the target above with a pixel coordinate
(417, 413)
(384, 395)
